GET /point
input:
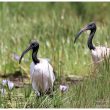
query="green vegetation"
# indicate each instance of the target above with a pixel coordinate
(55, 25)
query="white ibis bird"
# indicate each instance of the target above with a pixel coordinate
(41, 72)
(98, 53)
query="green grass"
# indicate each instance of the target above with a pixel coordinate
(22, 22)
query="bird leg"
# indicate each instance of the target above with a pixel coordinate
(49, 92)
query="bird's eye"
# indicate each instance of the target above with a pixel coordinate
(32, 45)
(91, 26)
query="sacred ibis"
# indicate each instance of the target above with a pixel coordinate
(98, 53)
(41, 72)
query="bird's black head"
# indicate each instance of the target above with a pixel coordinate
(34, 45)
(91, 26)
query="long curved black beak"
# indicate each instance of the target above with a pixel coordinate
(24, 52)
(80, 32)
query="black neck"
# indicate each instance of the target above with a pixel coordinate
(34, 56)
(90, 45)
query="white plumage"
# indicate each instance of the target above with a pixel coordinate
(100, 53)
(41, 72)
(42, 76)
